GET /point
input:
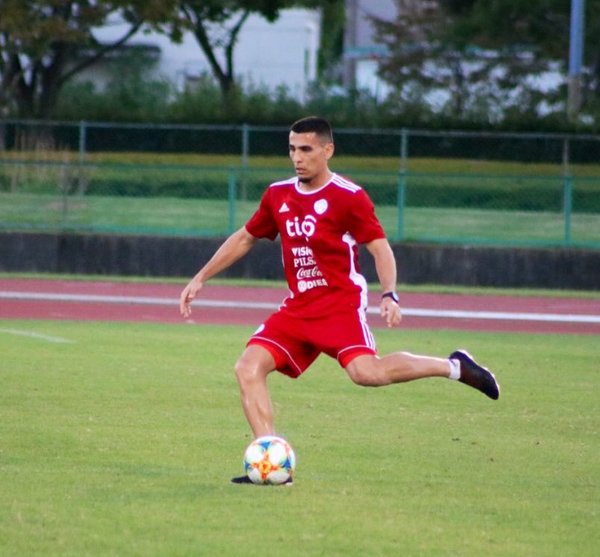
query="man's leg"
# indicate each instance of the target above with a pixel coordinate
(399, 367)
(251, 370)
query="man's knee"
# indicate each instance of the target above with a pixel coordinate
(246, 370)
(366, 371)
(253, 365)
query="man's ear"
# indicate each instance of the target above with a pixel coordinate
(329, 150)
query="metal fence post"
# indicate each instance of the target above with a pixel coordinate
(245, 160)
(567, 192)
(231, 190)
(245, 145)
(401, 195)
(82, 140)
(401, 201)
(65, 199)
(568, 207)
(82, 148)
(403, 149)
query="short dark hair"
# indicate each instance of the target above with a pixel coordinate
(315, 124)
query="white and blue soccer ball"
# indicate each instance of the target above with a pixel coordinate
(269, 460)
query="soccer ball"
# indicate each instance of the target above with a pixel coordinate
(269, 460)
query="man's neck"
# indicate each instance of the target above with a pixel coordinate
(317, 182)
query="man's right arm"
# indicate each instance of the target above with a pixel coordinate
(232, 249)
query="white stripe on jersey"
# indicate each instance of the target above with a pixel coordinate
(289, 182)
(368, 335)
(336, 180)
(354, 275)
(345, 184)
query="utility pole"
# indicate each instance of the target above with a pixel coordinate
(575, 58)
(350, 43)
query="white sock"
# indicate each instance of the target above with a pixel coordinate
(454, 366)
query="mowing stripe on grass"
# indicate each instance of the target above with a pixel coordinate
(237, 304)
(37, 336)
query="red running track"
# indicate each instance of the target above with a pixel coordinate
(152, 302)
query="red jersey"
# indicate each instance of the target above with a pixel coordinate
(320, 232)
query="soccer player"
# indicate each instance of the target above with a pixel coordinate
(321, 218)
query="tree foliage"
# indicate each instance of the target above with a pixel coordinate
(541, 27)
(216, 25)
(333, 20)
(425, 56)
(486, 53)
(44, 43)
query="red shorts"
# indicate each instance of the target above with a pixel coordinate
(295, 342)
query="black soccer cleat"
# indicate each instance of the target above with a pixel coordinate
(241, 480)
(476, 376)
(246, 480)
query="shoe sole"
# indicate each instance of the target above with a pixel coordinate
(247, 481)
(464, 356)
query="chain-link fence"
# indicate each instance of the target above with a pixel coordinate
(90, 177)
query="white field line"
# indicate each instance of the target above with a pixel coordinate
(37, 336)
(239, 304)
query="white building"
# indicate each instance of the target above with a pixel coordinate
(267, 54)
(361, 51)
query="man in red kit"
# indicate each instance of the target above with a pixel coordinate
(321, 218)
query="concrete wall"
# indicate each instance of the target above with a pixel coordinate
(417, 263)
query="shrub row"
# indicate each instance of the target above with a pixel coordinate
(494, 193)
(264, 141)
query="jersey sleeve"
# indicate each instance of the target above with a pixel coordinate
(363, 223)
(262, 224)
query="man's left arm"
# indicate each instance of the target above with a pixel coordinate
(385, 266)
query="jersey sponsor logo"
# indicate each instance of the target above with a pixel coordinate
(306, 228)
(321, 206)
(311, 272)
(303, 257)
(304, 261)
(284, 208)
(304, 285)
(302, 251)
(308, 274)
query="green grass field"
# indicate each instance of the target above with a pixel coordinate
(120, 439)
(207, 217)
(446, 200)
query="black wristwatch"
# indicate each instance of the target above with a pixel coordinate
(391, 295)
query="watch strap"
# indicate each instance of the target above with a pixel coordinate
(391, 295)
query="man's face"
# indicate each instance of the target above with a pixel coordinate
(309, 155)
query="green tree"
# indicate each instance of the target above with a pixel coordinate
(216, 25)
(333, 21)
(129, 94)
(537, 27)
(44, 43)
(485, 53)
(425, 56)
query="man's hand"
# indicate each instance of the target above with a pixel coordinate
(390, 311)
(187, 295)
